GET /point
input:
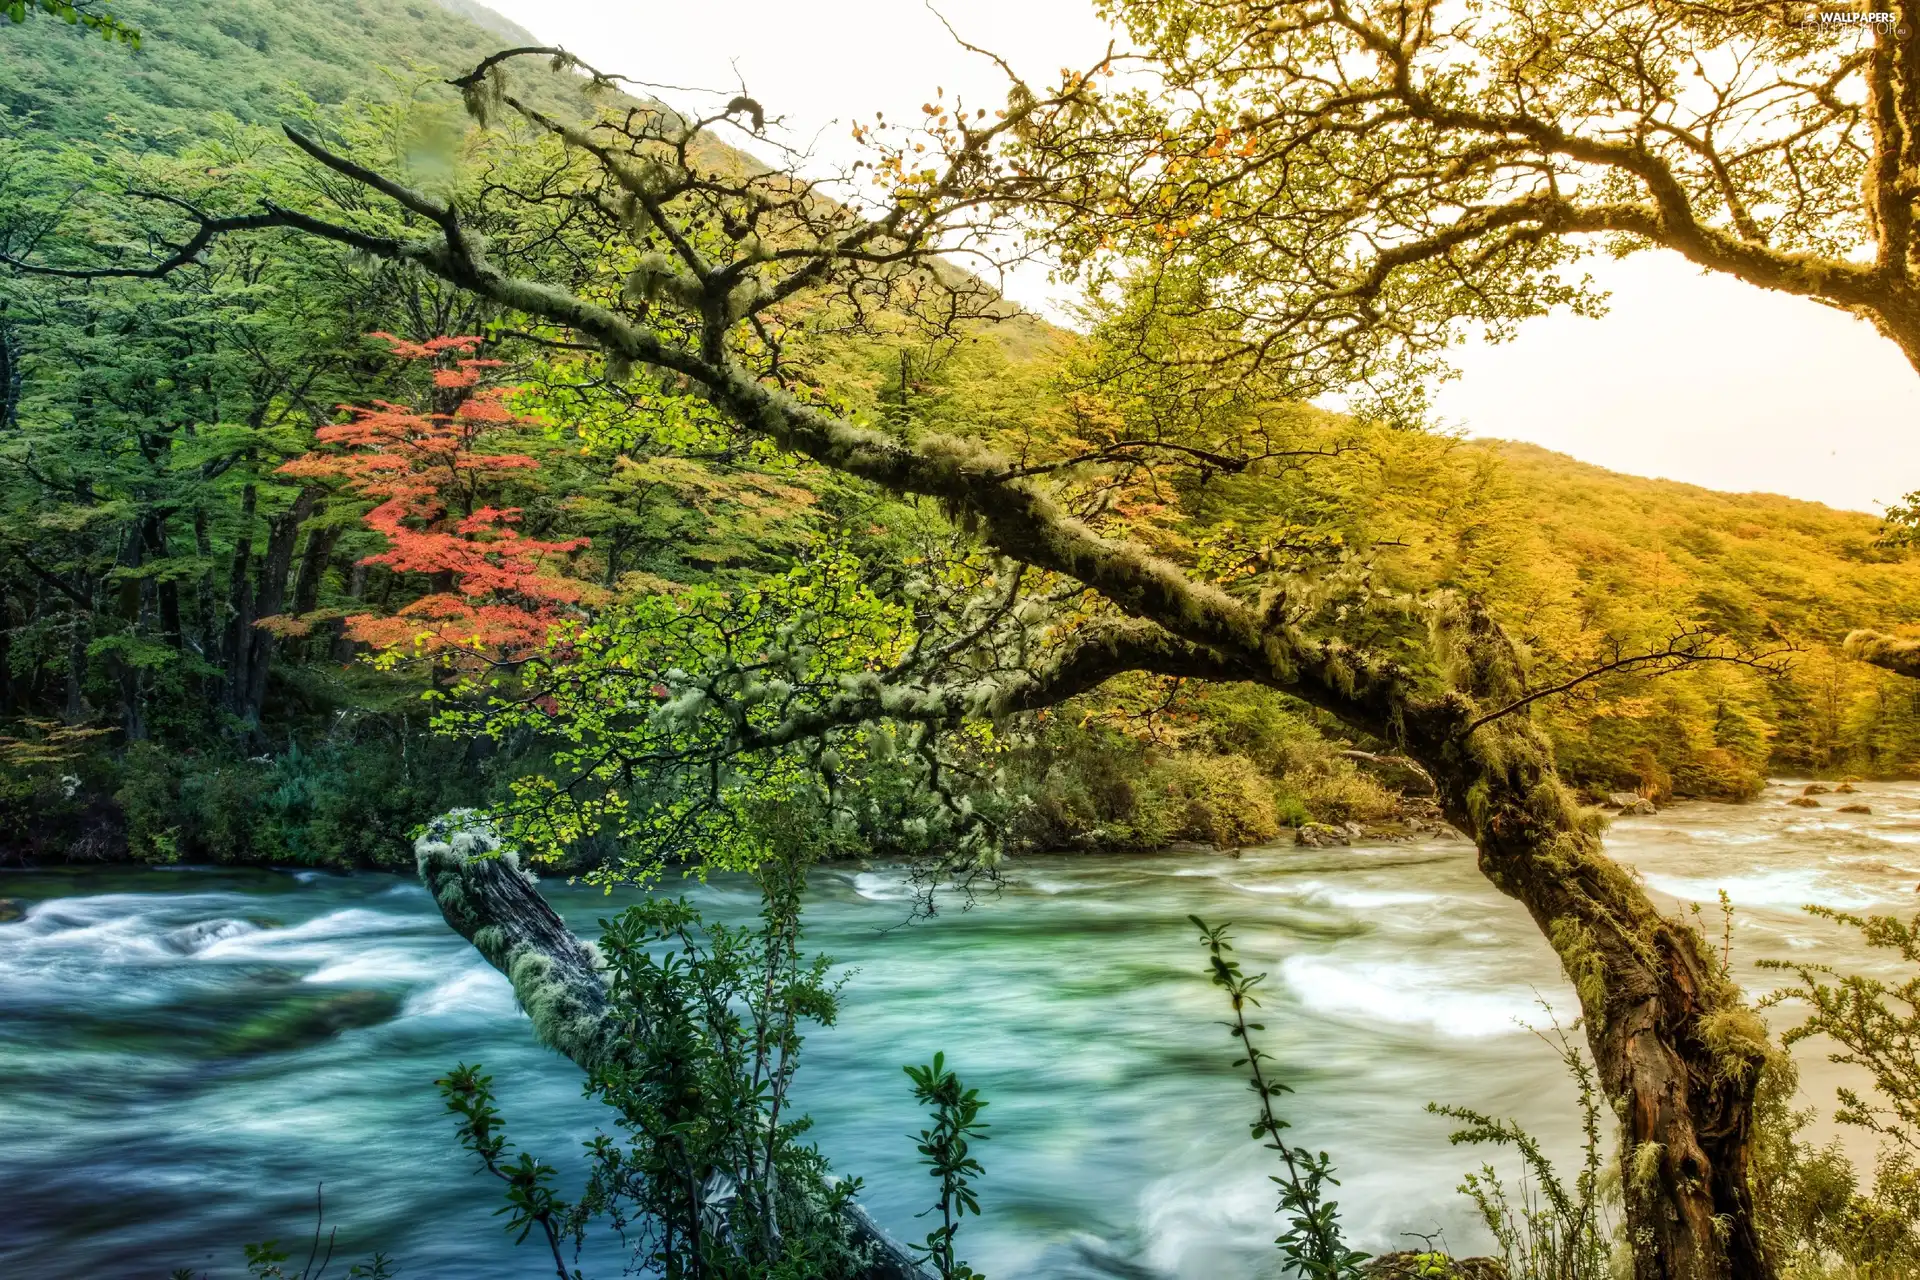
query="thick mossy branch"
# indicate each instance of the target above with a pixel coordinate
(1891, 653)
(493, 903)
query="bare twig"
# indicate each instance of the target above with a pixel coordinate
(1692, 647)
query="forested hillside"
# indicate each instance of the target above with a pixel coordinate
(242, 58)
(226, 598)
(1619, 553)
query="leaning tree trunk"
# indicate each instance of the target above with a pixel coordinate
(269, 596)
(1679, 1051)
(490, 901)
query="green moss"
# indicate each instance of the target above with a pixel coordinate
(1646, 1161)
(1738, 1038)
(1585, 966)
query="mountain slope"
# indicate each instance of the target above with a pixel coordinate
(242, 57)
(1754, 557)
(1586, 552)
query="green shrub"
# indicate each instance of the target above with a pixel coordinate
(149, 800)
(1818, 1222)
(1225, 801)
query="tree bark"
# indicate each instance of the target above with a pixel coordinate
(283, 531)
(1678, 1053)
(166, 589)
(490, 901)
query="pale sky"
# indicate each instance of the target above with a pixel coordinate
(1689, 377)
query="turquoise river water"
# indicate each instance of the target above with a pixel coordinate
(187, 1054)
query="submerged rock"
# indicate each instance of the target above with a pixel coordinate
(199, 936)
(1804, 802)
(308, 1019)
(11, 911)
(1856, 808)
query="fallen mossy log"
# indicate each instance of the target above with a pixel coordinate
(495, 904)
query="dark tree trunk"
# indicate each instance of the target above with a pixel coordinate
(133, 720)
(313, 567)
(133, 594)
(238, 636)
(12, 375)
(283, 531)
(356, 589)
(306, 587)
(8, 702)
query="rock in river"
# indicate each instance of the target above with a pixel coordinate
(1318, 835)
(1630, 802)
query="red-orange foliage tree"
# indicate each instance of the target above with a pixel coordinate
(490, 588)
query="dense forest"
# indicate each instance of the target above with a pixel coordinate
(395, 429)
(153, 527)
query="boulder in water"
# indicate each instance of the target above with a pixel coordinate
(11, 911)
(307, 1019)
(1318, 835)
(1845, 789)
(1629, 802)
(1856, 808)
(1814, 789)
(1804, 802)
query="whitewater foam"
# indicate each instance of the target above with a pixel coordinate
(1407, 995)
(1782, 889)
(479, 991)
(1351, 898)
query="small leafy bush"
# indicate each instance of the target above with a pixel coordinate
(1817, 1219)
(946, 1150)
(1313, 1246)
(1547, 1229)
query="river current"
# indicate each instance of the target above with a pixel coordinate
(187, 1054)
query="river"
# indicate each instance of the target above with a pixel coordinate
(187, 1054)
